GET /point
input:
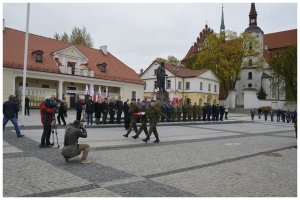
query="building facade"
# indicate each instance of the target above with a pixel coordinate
(63, 69)
(199, 86)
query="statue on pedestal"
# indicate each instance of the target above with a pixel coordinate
(160, 75)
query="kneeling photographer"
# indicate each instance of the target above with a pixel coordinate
(71, 146)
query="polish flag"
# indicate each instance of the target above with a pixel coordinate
(93, 93)
(99, 94)
(107, 94)
(87, 89)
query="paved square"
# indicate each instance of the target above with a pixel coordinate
(236, 159)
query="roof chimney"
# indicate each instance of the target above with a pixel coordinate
(104, 49)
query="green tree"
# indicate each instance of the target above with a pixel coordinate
(170, 59)
(284, 64)
(77, 37)
(226, 54)
(261, 94)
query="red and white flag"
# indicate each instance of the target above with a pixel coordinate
(107, 94)
(93, 94)
(99, 94)
(87, 89)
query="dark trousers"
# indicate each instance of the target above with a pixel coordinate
(104, 118)
(252, 116)
(204, 116)
(119, 113)
(226, 115)
(111, 117)
(78, 115)
(46, 135)
(126, 124)
(208, 116)
(278, 118)
(62, 117)
(17, 114)
(27, 110)
(221, 116)
(90, 118)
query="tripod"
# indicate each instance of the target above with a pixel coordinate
(54, 131)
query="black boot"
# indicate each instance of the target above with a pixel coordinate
(146, 139)
(126, 135)
(156, 141)
(135, 136)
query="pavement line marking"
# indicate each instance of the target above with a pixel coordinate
(155, 175)
(143, 145)
(63, 191)
(122, 181)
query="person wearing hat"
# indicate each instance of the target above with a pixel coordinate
(153, 115)
(133, 109)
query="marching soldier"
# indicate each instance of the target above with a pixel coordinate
(153, 115)
(144, 120)
(133, 109)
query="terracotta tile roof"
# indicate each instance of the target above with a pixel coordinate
(280, 39)
(13, 56)
(182, 71)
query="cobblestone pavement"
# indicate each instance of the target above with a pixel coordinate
(249, 159)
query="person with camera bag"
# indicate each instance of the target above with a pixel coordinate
(71, 146)
(48, 109)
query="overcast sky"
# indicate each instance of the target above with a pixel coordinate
(139, 33)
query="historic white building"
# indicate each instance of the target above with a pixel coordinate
(200, 86)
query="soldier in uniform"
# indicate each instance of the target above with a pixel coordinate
(184, 111)
(204, 112)
(195, 111)
(153, 115)
(133, 109)
(144, 120)
(119, 107)
(105, 110)
(199, 112)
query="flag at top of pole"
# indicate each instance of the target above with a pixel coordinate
(107, 94)
(100, 94)
(87, 89)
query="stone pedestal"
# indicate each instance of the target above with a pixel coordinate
(162, 96)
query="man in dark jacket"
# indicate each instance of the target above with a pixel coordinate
(47, 109)
(62, 110)
(126, 114)
(78, 108)
(112, 111)
(98, 111)
(71, 146)
(10, 108)
(104, 110)
(119, 108)
(27, 101)
(90, 109)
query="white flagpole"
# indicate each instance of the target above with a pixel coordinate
(25, 64)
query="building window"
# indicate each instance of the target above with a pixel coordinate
(45, 86)
(72, 65)
(201, 85)
(155, 72)
(208, 87)
(155, 84)
(39, 57)
(168, 84)
(250, 75)
(102, 67)
(250, 62)
(133, 94)
(215, 88)
(187, 85)
(21, 84)
(179, 85)
(249, 85)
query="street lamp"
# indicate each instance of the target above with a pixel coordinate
(175, 72)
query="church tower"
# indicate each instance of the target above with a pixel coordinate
(222, 27)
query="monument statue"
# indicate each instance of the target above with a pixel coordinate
(160, 75)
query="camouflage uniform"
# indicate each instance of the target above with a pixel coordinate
(153, 115)
(132, 110)
(189, 111)
(144, 121)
